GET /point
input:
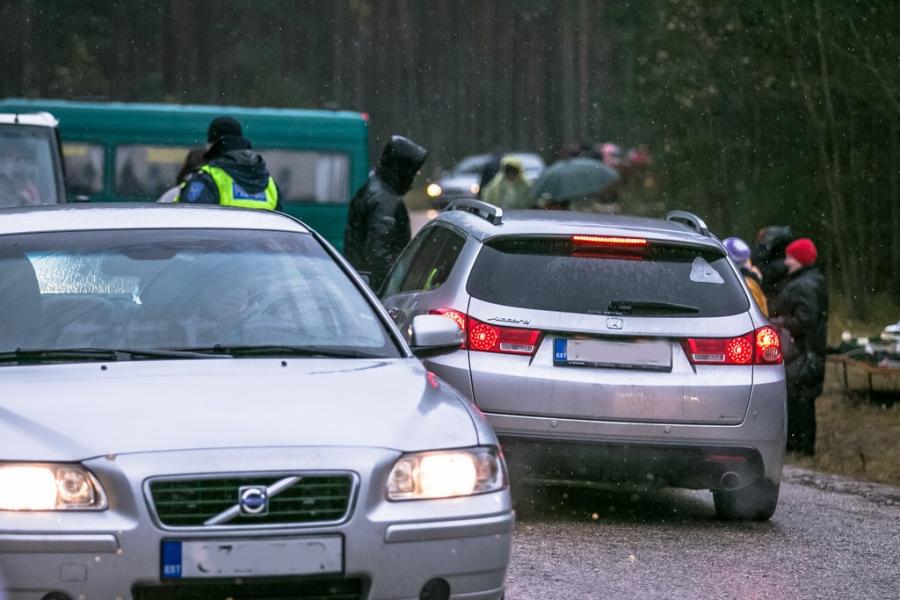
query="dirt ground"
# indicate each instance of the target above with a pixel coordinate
(857, 436)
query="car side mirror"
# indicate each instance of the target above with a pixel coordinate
(434, 335)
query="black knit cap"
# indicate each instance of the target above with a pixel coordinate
(221, 127)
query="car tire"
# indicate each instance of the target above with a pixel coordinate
(755, 502)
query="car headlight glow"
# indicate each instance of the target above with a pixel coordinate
(49, 487)
(433, 190)
(446, 474)
(474, 188)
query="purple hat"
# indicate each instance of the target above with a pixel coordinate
(737, 249)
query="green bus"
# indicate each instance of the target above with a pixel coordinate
(132, 152)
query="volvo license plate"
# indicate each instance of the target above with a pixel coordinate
(252, 558)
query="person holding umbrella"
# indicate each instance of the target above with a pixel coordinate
(579, 183)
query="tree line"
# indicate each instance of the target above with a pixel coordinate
(756, 112)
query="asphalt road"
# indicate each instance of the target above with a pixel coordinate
(830, 538)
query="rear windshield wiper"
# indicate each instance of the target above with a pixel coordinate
(41, 355)
(630, 307)
(283, 351)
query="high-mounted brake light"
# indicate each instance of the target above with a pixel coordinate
(760, 347)
(484, 337)
(610, 240)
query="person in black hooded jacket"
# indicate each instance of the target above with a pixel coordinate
(232, 174)
(801, 308)
(378, 223)
(768, 257)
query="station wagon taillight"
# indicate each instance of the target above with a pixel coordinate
(486, 337)
(760, 347)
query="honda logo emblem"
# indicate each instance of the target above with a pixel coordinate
(614, 323)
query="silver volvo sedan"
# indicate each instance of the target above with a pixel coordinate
(209, 403)
(605, 349)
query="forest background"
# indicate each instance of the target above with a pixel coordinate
(756, 112)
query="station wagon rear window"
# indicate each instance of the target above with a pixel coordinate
(560, 275)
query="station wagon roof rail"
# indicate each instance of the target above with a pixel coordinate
(689, 219)
(492, 214)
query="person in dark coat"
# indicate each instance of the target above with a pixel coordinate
(232, 173)
(801, 309)
(378, 223)
(768, 256)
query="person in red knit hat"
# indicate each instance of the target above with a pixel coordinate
(801, 310)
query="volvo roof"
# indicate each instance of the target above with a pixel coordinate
(83, 217)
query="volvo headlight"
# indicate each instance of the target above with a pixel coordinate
(433, 190)
(49, 487)
(446, 474)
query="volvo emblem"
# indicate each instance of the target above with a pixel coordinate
(253, 500)
(615, 323)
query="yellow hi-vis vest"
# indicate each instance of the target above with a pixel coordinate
(232, 194)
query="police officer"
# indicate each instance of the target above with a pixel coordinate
(233, 174)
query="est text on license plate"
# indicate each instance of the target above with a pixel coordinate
(252, 558)
(654, 355)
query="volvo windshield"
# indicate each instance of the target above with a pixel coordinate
(181, 293)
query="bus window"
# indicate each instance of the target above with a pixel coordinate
(147, 170)
(84, 168)
(305, 176)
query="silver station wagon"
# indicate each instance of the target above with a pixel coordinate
(209, 403)
(605, 349)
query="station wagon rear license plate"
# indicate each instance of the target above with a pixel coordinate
(649, 355)
(253, 558)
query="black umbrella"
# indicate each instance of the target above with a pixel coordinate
(573, 179)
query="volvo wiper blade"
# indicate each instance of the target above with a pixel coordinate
(630, 307)
(41, 355)
(283, 351)
(169, 353)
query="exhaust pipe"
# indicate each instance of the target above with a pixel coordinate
(730, 481)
